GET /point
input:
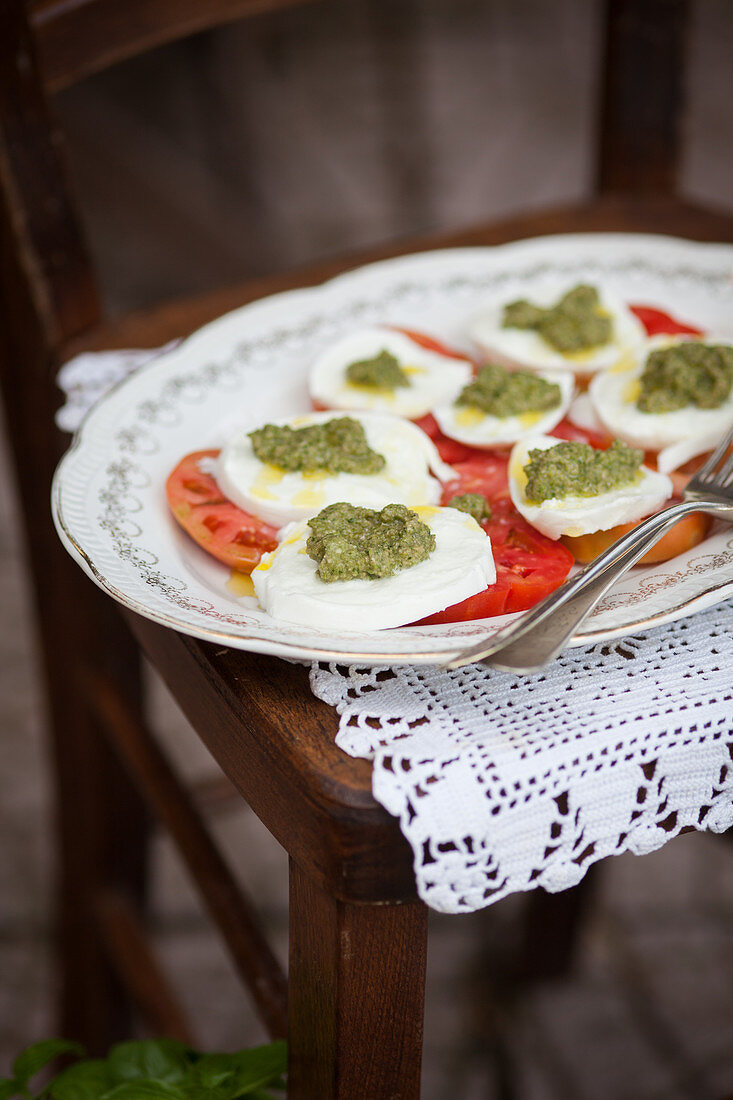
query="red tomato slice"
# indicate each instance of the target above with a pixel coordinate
(450, 450)
(569, 431)
(485, 472)
(656, 321)
(686, 533)
(218, 526)
(528, 565)
(431, 344)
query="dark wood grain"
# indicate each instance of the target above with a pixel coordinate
(275, 742)
(357, 984)
(611, 214)
(46, 295)
(643, 95)
(226, 901)
(79, 37)
(136, 964)
(47, 240)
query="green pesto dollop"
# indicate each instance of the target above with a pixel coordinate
(382, 372)
(473, 504)
(500, 392)
(353, 543)
(575, 323)
(576, 469)
(688, 373)
(335, 446)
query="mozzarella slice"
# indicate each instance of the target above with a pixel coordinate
(575, 515)
(614, 395)
(279, 496)
(526, 348)
(479, 429)
(676, 455)
(462, 564)
(433, 377)
(583, 415)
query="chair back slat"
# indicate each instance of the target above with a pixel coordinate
(642, 96)
(45, 260)
(78, 37)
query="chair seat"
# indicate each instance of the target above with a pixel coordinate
(258, 717)
(319, 803)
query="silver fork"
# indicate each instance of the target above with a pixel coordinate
(537, 638)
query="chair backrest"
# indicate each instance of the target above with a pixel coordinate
(43, 48)
(50, 44)
(642, 96)
(48, 290)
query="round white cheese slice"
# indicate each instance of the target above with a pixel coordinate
(479, 429)
(614, 395)
(576, 515)
(279, 496)
(526, 348)
(288, 586)
(432, 377)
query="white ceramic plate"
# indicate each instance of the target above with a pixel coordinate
(108, 495)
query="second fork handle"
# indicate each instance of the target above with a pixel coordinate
(544, 632)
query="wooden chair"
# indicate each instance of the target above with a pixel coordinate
(358, 934)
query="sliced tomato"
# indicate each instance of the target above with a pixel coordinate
(528, 565)
(569, 431)
(221, 528)
(657, 321)
(485, 472)
(685, 534)
(431, 344)
(450, 450)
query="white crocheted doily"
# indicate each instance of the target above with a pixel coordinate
(503, 783)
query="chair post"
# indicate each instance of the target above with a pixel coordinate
(47, 294)
(101, 830)
(643, 91)
(357, 987)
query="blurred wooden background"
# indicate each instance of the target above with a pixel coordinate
(309, 132)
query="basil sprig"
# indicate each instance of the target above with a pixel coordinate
(149, 1069)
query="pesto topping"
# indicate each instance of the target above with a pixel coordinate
(336, 446)
(688, 373)
(576, 469)
(352, 543)
(473, 504)
(382, 372)
(575, 323)
(500, 392)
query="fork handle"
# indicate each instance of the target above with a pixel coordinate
(539, 636)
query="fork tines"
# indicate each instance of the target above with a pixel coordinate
(709, 474)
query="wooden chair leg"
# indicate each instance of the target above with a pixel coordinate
(102, 840)
(102, 825)
(551, 928)
(357, 988)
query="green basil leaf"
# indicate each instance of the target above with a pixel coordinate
(8, 1087)
(163, 1060)
(225, 1090)
(260, 1066)
(35, 1057)
(144, 1090)
(84, 1081)
(210, 1071)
